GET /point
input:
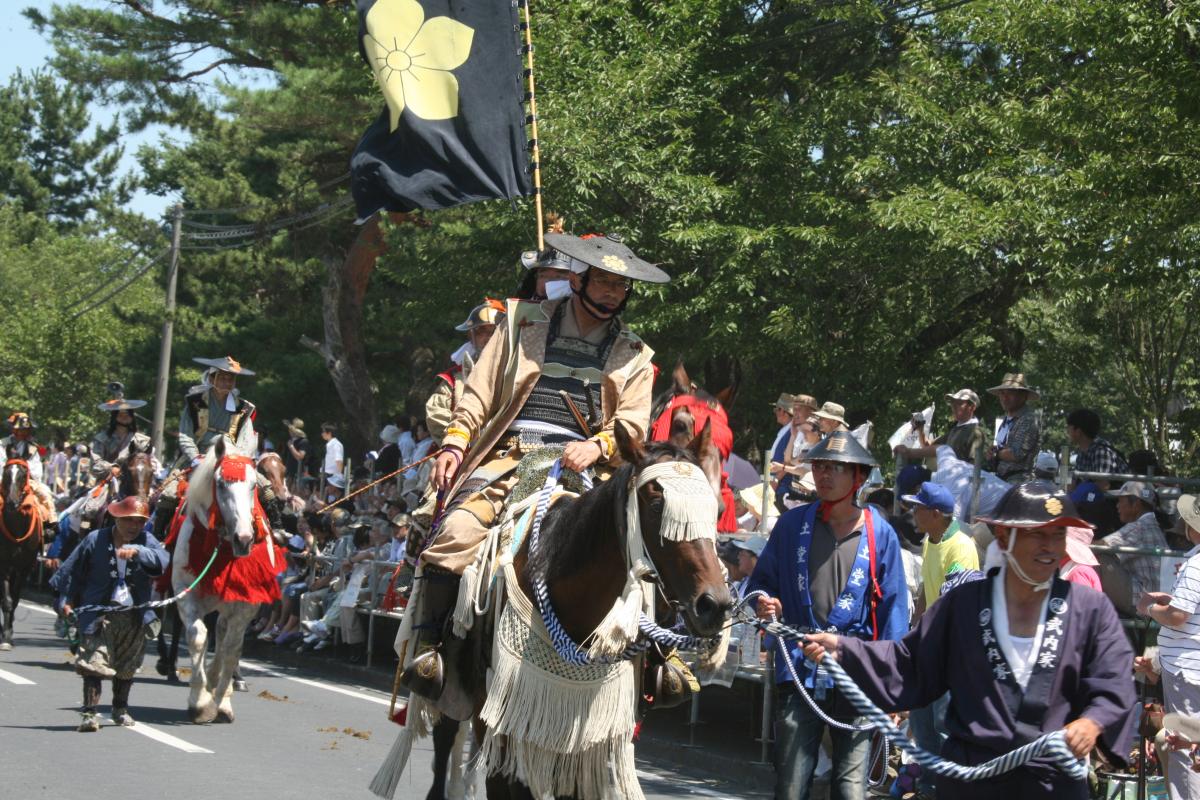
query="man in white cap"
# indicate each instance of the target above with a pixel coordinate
(1179, 645)
(965, 437)
(1135, 507)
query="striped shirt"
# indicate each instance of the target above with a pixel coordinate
(1179, 648)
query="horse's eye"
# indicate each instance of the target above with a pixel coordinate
(654, 489)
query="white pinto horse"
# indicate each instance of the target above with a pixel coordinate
(220, 500)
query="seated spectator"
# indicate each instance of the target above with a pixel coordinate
(1096, 507)
(1135, 506)
(323, 614)
(1179, 646)
(388, 460)
(400, 525)
(1079, 565)
(745, 552)
(1045, 466)
(1093, 452)
(1144, 462)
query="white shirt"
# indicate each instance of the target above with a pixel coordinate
(1020, 651)
(406, 444)
(334, 452)
(1179, 648)
(422, 449)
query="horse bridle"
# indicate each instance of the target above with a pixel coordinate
(636, 481)
(35, 518)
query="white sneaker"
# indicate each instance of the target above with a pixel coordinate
(323, 644)
(312, 638)
(316, 626)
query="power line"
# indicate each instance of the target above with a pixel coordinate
(129, 282)
(111, 279)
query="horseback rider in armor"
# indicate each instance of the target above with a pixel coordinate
(111, 445)
(19, 444)
(516, 400)
(479, 327)
(212, 408)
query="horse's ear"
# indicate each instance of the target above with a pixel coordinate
(699, 445)
(726, 395)
(219, 448)
(630, 448)
(680, 382)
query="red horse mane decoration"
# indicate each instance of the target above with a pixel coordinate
(250, 578)
(704, 413)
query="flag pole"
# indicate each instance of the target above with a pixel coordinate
(533, 122)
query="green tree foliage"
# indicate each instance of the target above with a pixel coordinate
(56, 364)
(52, 163)
(872, 202)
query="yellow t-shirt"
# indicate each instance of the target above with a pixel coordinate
(956, 551)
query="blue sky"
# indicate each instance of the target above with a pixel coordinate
(23, 48)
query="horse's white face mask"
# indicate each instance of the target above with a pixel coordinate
(16, 486)
(235, 486)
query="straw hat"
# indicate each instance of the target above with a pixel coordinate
(832, 411)
(1188, 506)
(1014, 381)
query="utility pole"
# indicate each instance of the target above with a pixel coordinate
(164, 353)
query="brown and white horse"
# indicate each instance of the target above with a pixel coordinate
(222, 514)
(20, 541)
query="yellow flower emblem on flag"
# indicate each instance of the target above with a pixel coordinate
(412, 58)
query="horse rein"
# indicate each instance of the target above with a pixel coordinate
(35, 519)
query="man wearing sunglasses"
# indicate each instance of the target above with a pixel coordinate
(830, 566)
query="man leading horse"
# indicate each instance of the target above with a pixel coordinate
(557, 373)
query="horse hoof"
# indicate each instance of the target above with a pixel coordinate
(5, 647)
(225, 716)
(203, 716)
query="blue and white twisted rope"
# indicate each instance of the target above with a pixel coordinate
(1052, 746)
(564, 645)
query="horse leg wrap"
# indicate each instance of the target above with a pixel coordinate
(426, 675)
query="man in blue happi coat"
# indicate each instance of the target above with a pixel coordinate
(833, 566)
(106, 578)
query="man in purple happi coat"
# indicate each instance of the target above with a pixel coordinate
(1022, 653)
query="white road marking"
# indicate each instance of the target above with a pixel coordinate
(13, 677)
(159, 736)
(38, 607)
(679, 783)
(361, 693)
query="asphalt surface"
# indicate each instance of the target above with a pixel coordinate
(299, 733)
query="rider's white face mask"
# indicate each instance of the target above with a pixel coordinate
(556, 290)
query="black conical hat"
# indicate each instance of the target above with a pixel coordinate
(1035, 504)
(841, 446)
(609, 253)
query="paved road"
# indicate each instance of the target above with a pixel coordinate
(298, 734)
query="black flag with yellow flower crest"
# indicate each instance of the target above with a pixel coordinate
(453, 129)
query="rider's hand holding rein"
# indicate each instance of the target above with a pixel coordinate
(446, 467)
(578, 456)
